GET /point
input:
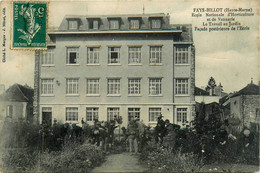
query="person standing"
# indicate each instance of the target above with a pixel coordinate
(132, 130)
(160, 130)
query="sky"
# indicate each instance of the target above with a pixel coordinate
(232, 57)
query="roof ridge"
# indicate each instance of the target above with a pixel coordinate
(18, 85)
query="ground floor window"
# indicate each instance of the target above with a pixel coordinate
(91, 114)
(181, 115)
(133, 112)
(112, 113)
(9, 111)
(154, 113)
(71, 114)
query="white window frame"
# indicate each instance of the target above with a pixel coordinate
(114, 24)
(135, 112)
(188, 115)
(113, 86)
(155, 55)
(73, 24)
(154, 112)
(156, 23)
(47, 57)
(72, 50)
(92, 86)
(93, 55)
(72, 86)
(91, 113)
(47, 85)
(9, 111)
(134, 86)
(182, 55)
(155, 86)
(134, 55)
(112, 50)
(134, 24)
(113, 112)
(71, 109)
(182, 86)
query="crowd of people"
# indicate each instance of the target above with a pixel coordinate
(102, 133)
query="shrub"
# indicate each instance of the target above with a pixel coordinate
(18, 160)
(164, 160)
(73, 158)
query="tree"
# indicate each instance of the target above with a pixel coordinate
(211, 85)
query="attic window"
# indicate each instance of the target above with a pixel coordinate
(114, 23)
(93, 24)
(134, 24)
(156, 23)
(73, 25)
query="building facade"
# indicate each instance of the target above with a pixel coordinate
(104, 67)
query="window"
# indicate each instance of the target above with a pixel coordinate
(71, 114)
(114, 24)
(47, 57)
(112, 113)
(156, 23)
(93, 55)
(72, 55)
(113, 86)
(91, 114)
(73, 24)
(92, 86)
(46, 86)
(181, 55)
(9, 111)
(134, 24)
(154, 113)
(182, 86)
(113, 55)
(133, 112)
(134, 86)
(181, 115)
(72, 86)
(134, 55)
(93, 24)
(155, 86)
(155, 54)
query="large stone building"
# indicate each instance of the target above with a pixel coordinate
(118, 65)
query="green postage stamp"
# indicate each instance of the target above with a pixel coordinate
(29, 25)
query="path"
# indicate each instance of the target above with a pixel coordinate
(124, 162)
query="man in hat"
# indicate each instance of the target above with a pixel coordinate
(132, 130)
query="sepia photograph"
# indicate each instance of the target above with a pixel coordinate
(129, 86)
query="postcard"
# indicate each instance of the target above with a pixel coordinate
(129, 86)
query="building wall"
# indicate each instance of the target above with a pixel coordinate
(168, 102)
(19, 109)
(251, 103)
(207, 99)
(244, 107)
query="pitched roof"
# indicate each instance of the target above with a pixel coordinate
(250, 89)
(201, 92)
(18, 93)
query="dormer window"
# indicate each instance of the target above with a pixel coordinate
(73, 24)
(114, 23)
(134, 24)
(94, 24)
(156, 23)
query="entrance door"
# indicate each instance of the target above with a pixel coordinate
(47, 116)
